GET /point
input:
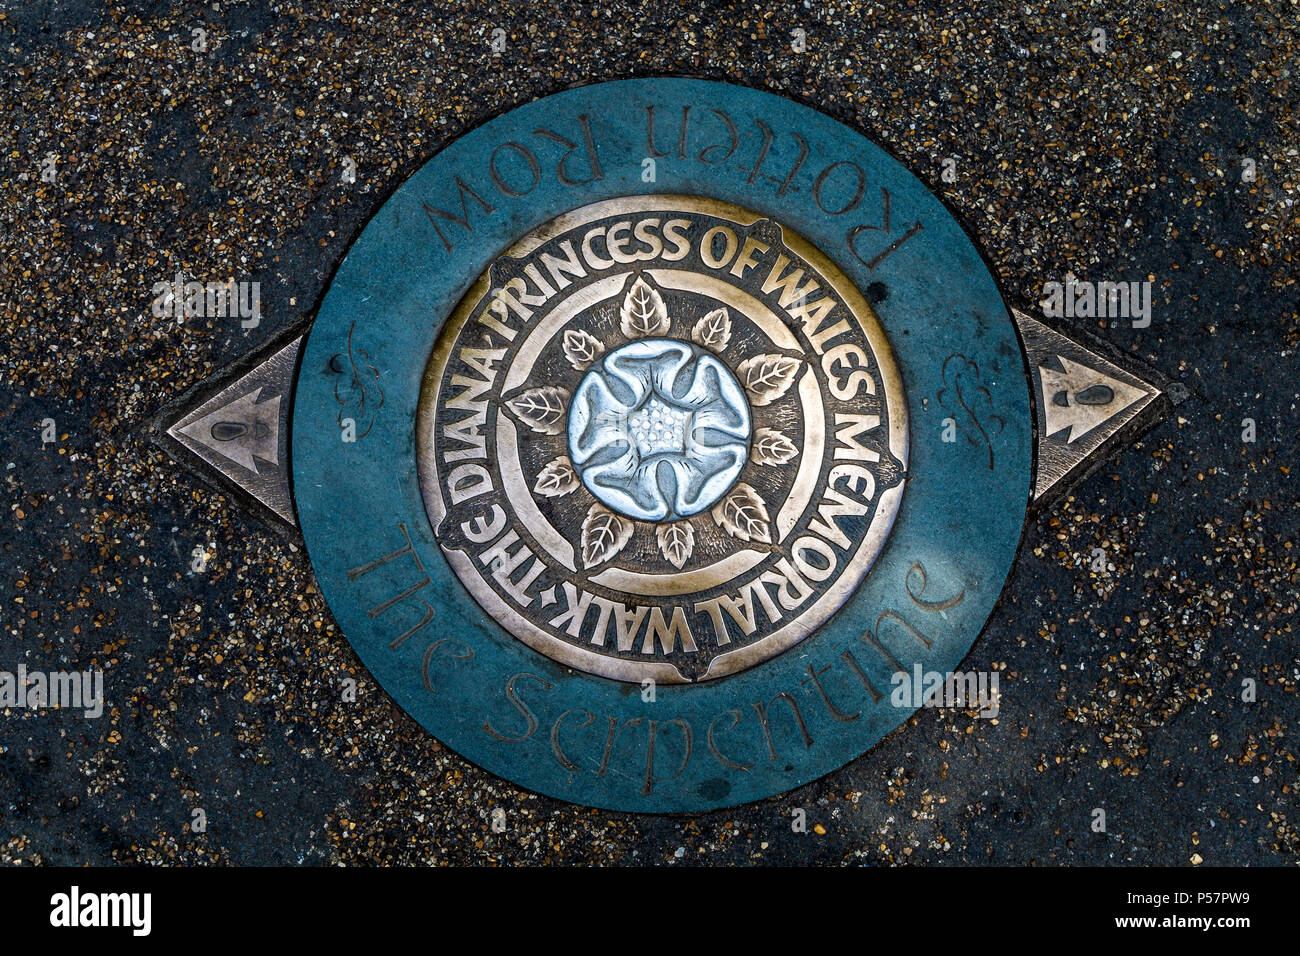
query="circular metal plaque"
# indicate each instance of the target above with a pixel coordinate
(649, 432)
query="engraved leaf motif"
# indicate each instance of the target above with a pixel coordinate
(768, 377)
(556, 479)
(643, 313)
(676, 541)
(714, 330)
(581, 348)
(603, 535)
(743, 514)
(771, 447)
(541, 409)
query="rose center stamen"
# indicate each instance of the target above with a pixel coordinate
(658, 428)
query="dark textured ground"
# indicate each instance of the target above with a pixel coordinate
(1120, 689)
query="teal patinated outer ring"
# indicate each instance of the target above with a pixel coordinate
(601, 742)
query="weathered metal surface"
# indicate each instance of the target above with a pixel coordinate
(924, 565)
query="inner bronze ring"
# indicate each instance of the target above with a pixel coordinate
(632, 582)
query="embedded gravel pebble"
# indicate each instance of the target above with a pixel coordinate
(133, 148)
